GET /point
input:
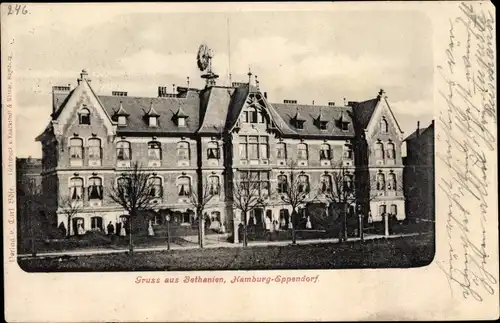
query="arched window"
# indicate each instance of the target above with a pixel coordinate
(155, 187)
(76, 189)
(326, 184)
(325, 152)
(391, 151)
(95, 188)
(84, 116)
(391, 185)
(154, 150)
(123, 151)
(348, 183)
(214, 185)
(384, 126)
(94, 149)
(348, 152)
(183, 186)
(379, 150)
(76, 148)
(281, 150)
(78, 226)
(124, 185)
(182, 151)
(213, 150)
(382, 209)
(282, 184)
(96, 223)
(302, 152)
(380, 182)
(303, 184)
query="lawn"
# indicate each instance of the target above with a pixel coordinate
(404, 252)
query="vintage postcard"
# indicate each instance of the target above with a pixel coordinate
(249, 162)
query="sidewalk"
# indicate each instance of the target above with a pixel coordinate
(218, 244)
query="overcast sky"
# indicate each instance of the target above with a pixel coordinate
(305, 56)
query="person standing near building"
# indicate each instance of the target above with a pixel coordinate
(111, 228)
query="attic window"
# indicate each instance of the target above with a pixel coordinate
(84, 116)
(122, 120)
(345, 125)
(299, 124)
(181, 122)
(153, 121)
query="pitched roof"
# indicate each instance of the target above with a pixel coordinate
(152, 112)
(59, 100)
(363, 111)
(310, 113)
(121, 111)
(215, 102)
(165, 107)
(413, 135)
(238, 100)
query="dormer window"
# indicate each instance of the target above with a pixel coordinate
(298, 121)
(299, 124)
(84, 116)
(122, 120)
(321, 122)
(180, 118)
(152, 116)
(343, 122)
(121, 115)
(345, 126)
(153, 121)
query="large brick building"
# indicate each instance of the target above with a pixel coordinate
(214, 135)
(419, 177)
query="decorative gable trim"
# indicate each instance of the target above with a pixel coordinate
(83, 93)
(382, 106)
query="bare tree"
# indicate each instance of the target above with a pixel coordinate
(199, 201)
(338, 189)
(135, 192)
(247, 196)
(70, 207)
(294, 190)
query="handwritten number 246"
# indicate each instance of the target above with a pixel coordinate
(17, 10)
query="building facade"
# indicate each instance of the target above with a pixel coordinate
(419, 177)
(30, 221)
(212, 137)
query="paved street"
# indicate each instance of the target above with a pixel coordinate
(210, 243)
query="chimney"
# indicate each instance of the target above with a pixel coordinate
(418, 128)
(119, 93)
(331, 104)
(290, 101)
(351, 103)
(162, 91)
(59, 93)
(265, 95)
(238, 84)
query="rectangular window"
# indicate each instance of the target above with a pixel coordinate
(243, 151)
(256, 180)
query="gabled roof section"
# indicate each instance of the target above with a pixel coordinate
(238, 100)
(181, 114)
(215, 104)
(288, 112)
(166, 108)
(121, 111)
(414, 135)
(152, 112)
(298, 117)
(363, 111)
